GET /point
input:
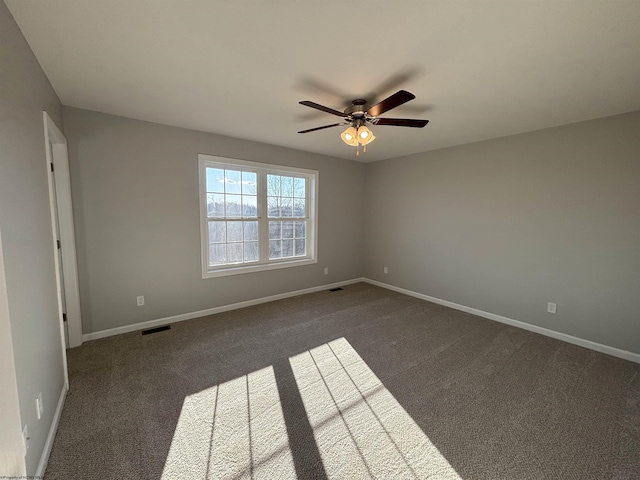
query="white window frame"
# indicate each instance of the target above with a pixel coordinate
(262, 169)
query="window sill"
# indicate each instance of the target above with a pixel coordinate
(223, 272)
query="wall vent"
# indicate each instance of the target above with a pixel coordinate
(336, 289)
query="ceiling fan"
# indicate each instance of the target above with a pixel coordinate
(358, 114)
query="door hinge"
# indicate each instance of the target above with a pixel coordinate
(58, 243)
(64, 317)
(52, 166)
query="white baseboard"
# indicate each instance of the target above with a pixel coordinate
(210, 311)
(598, 347)
(44, 458)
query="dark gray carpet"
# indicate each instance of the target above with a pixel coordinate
(497, 402)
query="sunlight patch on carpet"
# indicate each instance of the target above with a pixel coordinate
(360, 428)
(232, 431)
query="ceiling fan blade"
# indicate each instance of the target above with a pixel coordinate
(317, 106)
(400, 122)
(388, 103)
(321, 128)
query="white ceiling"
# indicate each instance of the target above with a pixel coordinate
(479, 69)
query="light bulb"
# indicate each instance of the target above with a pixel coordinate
(348, 136)
(364, 134)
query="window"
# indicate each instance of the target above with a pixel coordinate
(255, 216)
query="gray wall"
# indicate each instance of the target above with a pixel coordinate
(135, 199)
(11, 451)
(507, 225)
(27, 240)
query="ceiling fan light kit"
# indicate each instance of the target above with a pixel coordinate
(355, 136)
(357, 117)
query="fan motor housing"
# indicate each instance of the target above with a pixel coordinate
(357, 108)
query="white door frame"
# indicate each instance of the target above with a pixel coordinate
(57, 155)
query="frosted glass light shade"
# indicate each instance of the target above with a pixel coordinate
(350, 136)
(365, 136)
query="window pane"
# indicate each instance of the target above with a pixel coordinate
(234, 252)
(210, 205)
(286, 207)
(273, 207)
(217, 254)
(249, 206)
(301, 229)
(275, 249)
(233, 206)
(232, 181)
(250, 231)
(299, 187)
(251, 252)
(273, 185)
(275, 230)
(286, 186)
(234, 231)
(249, 183)
(215, 205)
(215, 180)
(287, 229)
(299, 207)
(300, 247)
(217, 232)
(287, 248)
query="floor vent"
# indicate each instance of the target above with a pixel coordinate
(156, 330)
(336, 289)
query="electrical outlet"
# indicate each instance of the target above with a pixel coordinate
(551, 307)
(39, 406)
(326, 270)
(386, 269)
(25, 438)
(140, 300)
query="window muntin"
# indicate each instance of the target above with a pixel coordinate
(255, 216)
